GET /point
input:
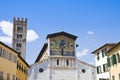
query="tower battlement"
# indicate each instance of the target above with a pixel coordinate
(22, 20)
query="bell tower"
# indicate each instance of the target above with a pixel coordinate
(19, 36)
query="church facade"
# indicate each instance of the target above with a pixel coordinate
(57, 60)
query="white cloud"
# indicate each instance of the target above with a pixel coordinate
(90, 33)
(31, 35)
(82, 52)
(90, 36)
(7, 29)
(6, 39)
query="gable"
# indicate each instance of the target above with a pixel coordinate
(61, 33)
(41, 52)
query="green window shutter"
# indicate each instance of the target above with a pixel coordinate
(97, 70)
(118, 57)
(102, 53)
(98, 56)
(111, 61)
(103, 67)
(113, 78)
(108, 62)
(114, 59)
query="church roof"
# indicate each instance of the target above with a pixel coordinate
(62, 33)
(82, 62)
(41, 52)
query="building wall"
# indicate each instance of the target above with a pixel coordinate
(22, 70)
(36, 74)
(115, 69)
(61, 62)
(86, 71)
(52, 71)
(100, 63)
(63, 74)
(44, 56)
(7, 67)
(8, 59)
(102, 60)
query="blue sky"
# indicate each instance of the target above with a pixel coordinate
(95, 22)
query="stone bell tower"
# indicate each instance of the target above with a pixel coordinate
(19, 36)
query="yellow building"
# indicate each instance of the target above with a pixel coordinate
(8, 59)
(22, 69)
(114, 62)
(12, 65)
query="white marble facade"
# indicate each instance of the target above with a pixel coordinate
(62, 64)
(83, 71)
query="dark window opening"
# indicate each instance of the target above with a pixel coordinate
(98, 57)
(8, 76)
(19, 45)
(62, 51)
(20, 29)
(19, 36)
(83, 71)
(0, 51)
(119, 76)
(57, 62)
(40, 70)
(1, 75)
(67, 62)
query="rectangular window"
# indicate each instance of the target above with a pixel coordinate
(111, 61)
(119, 76)
(104, 52)
(1, 75)
(57, 62)
(67, 62)
(114, 60)
(13, 77)
(108, 62)
(10, 56)
(19, 45)
(20, 29)
(98, 56)
(99, 70)
(105, 68)
(8, 76)
(19, 36)
(0, 51)
(118, 57)
(17, 65)
(113, 77)
(4, 53)
(15, 59)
